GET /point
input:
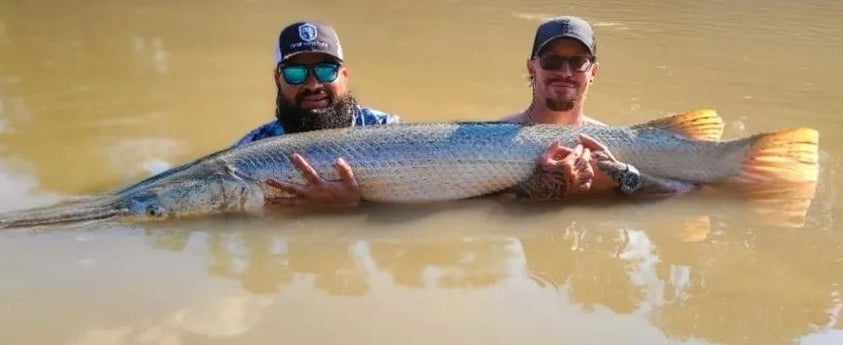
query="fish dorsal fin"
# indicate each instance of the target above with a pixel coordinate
(702, 124)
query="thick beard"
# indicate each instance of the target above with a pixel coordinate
(340, 113)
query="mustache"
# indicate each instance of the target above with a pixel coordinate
(563, 80)
(317, 92)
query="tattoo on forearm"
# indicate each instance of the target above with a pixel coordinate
(542, 185)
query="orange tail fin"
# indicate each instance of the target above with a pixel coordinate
(789, 155)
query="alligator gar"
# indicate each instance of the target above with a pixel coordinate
(427, 162)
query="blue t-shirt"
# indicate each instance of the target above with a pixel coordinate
(363, 116)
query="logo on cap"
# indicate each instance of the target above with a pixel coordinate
(307, 32)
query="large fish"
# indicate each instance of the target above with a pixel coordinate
(429, 162)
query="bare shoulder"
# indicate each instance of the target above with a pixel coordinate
(517, 117)
(591, 121)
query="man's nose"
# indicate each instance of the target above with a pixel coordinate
(311, 83)
(566, 69)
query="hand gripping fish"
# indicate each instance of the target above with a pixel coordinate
(428, 162)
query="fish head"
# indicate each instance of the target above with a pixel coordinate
(195, 198)
(146, 205)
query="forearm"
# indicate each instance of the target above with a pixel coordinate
(627, 178)
(631, 182)
(542, 185)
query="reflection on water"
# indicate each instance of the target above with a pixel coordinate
(726, 284)
(707, 272)
(697, 276)
(15, 179)
(218, 319)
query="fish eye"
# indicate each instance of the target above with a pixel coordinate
(154, 211)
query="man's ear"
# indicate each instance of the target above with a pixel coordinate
(277, 77)
(531, 71)
(594, 70)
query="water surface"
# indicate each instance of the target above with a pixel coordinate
(98, 94)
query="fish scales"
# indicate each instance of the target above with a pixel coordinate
(450, 161)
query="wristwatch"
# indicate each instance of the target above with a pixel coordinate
(628, 179)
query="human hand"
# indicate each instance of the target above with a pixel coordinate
(572, 165)
(624, 175)
(559, 173)
(319, 192)
(604, 158)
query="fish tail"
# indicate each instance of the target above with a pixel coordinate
(789, 155)
(71, 211)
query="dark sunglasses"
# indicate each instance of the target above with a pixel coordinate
(577, 63)
(295, 74)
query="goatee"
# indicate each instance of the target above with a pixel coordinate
(566, 102)
(559, 105)
(338, 114)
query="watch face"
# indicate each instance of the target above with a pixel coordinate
(630, 180)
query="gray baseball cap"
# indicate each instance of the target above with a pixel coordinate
(564, 27)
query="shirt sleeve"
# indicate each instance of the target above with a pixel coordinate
(370, 116)
(267, 130)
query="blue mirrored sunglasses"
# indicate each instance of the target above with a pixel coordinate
(295, 74)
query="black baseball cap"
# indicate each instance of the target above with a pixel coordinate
(564, 27)
(307, 36)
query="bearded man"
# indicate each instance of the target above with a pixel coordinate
(313, 93)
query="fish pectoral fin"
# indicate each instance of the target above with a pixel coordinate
(701, 124)
(631, 182)
(656, 187)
